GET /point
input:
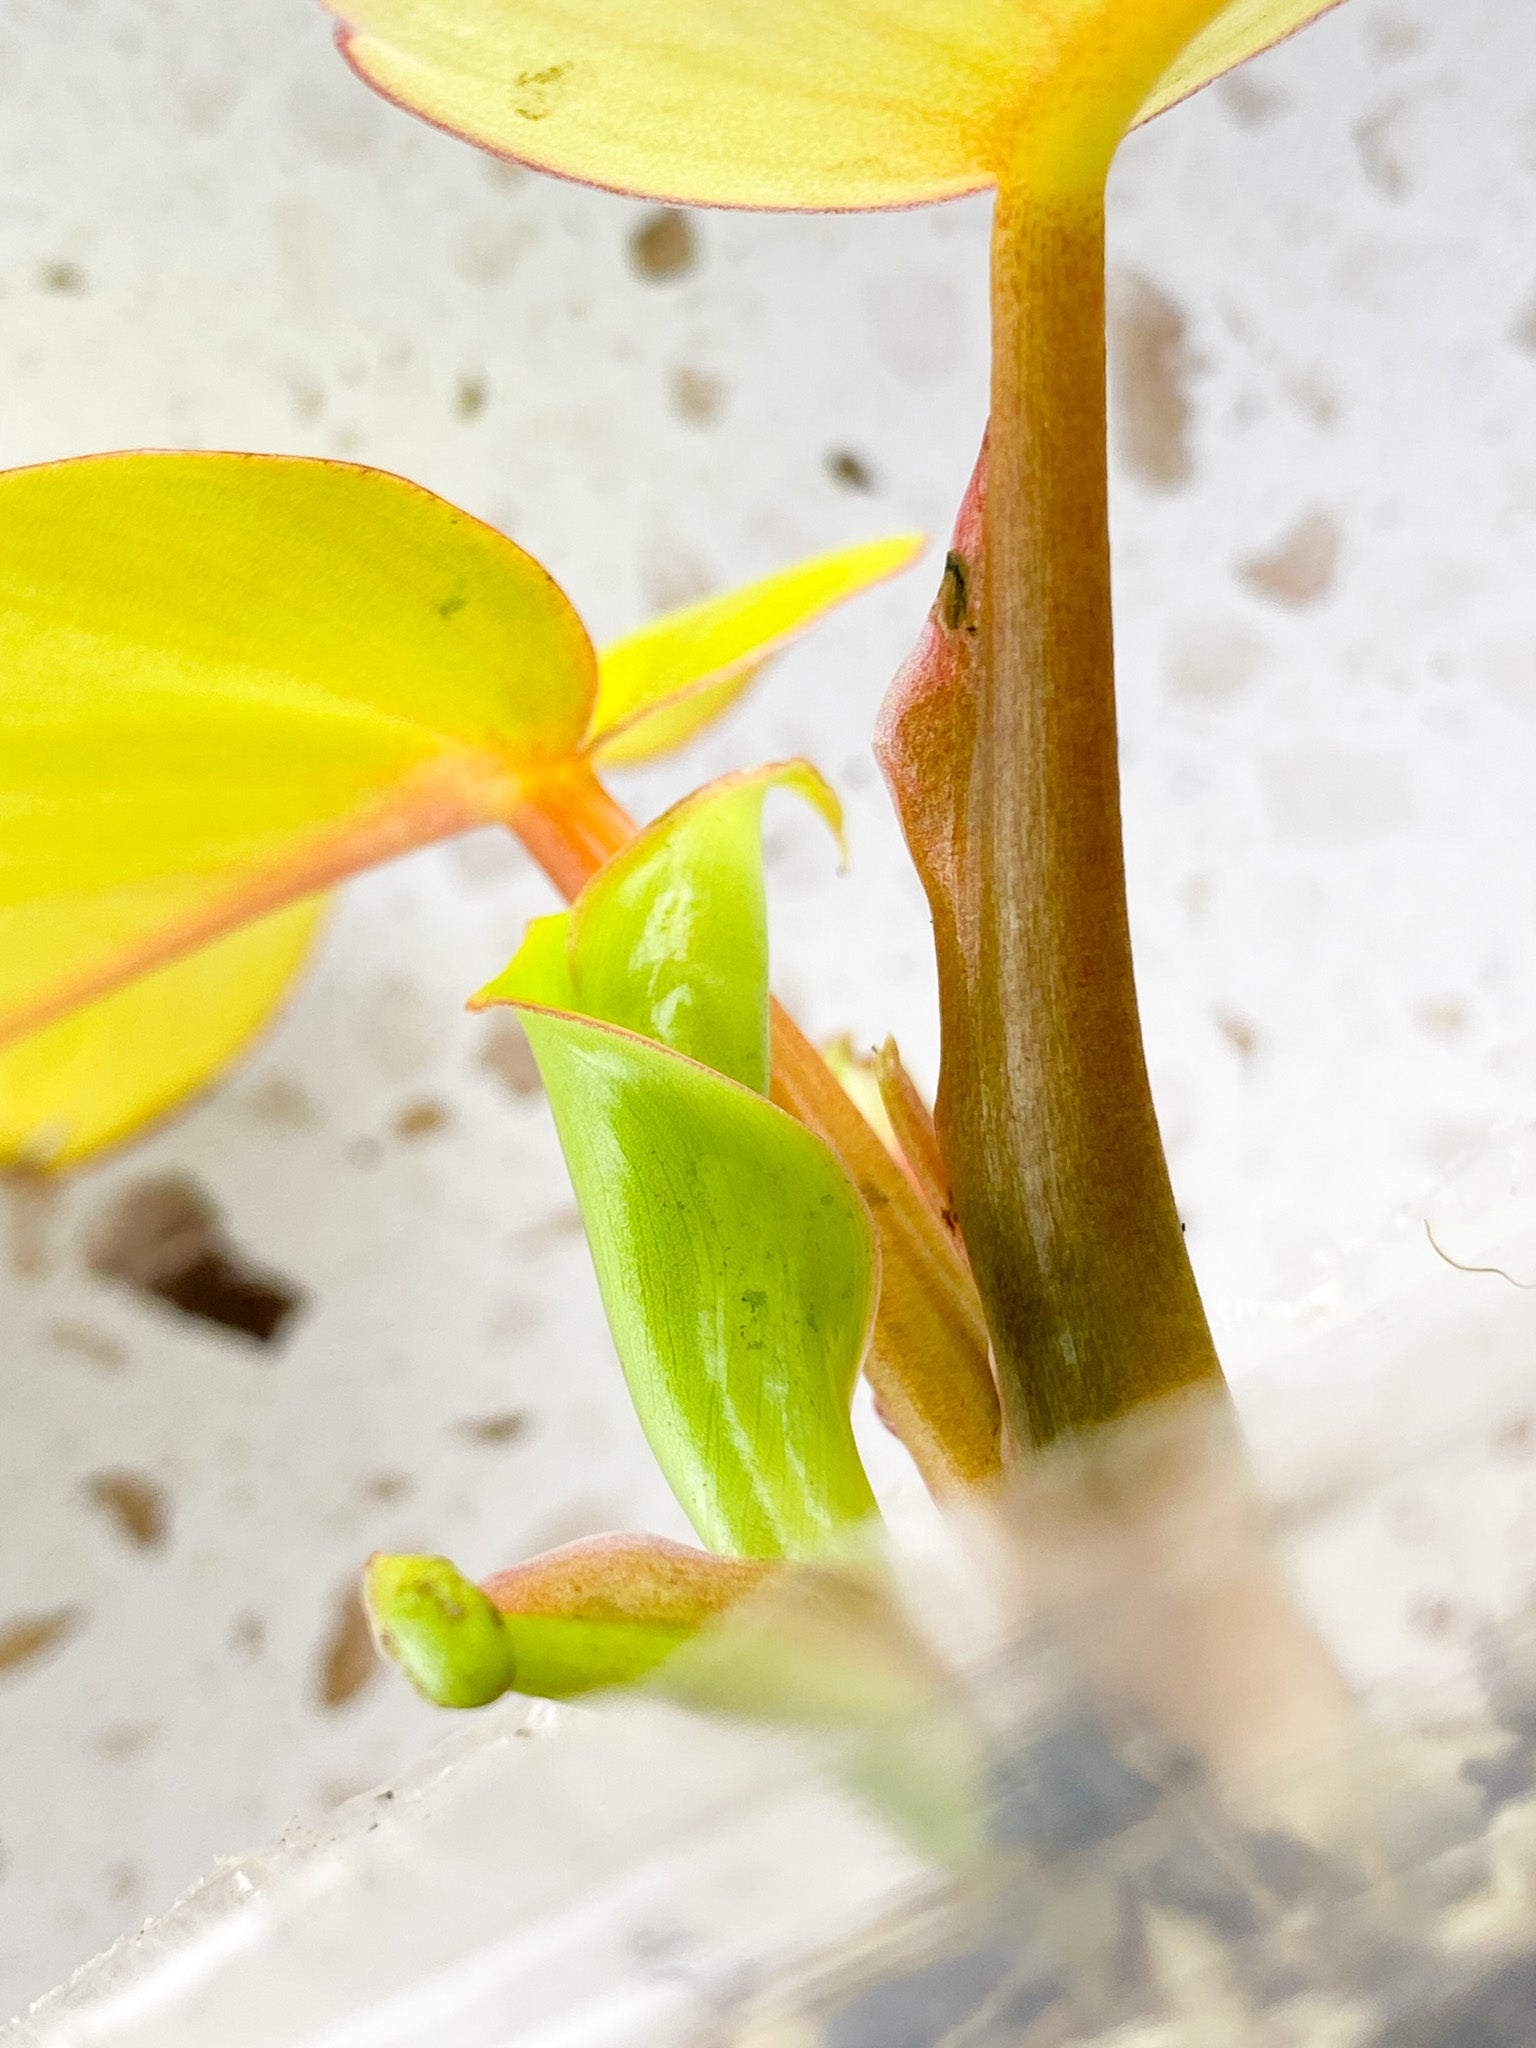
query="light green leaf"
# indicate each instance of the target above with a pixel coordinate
(670, 938)
(736, 1265)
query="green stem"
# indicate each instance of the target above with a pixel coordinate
(1060, 1179)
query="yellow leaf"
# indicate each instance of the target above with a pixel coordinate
(227, 681)
(1239, 32)
(659, 686)
(100, 1073)
(786, 103)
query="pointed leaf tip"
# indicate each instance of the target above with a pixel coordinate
(661, 685)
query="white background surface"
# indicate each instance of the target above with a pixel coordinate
(210, 235)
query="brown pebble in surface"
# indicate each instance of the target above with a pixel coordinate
(1242, 1036)
(282, 1101)
(123, 1741)
(385, 1487)
(1301, 567)
(507, 1054)
(421, 1120)
(664, 245)
(697, 396)
(850, 470)
(95, 1346)
(64, 279)
(30, 1197)
(348, 1659)
(164, 1237)
(496, 1430)
(1443, 1017)
(138, 1506)
(1516, 1438)
(248, 1634)
(1151, 365)
(25, 1637)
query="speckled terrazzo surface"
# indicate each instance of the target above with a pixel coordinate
(1325, 343)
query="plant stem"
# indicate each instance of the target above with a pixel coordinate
(928, 1365)
(1060, 1179)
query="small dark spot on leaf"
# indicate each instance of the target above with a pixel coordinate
(850, 470)
(421, 1120)
(954, 594)
(452, 605)
(348, 1660)
(664, 245)
(164, 1237)
(495, 1430)
(66, 280)
(26, 1637)
(137, 1505)
(469, 400)
(508, 1055)
(535, 91)
(1433, 1615)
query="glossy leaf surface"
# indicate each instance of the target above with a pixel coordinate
(735, 1260)
(670, 938)
(802, 103)
(661, 685)
(99, 1074)
(737, 1270)
(227, 680)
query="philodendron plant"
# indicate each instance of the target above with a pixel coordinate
(227, 682)
(1044, 1164)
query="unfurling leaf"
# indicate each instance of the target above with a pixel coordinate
(735, 1260)
(670, 938)
(657, 687)
(788, 103)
